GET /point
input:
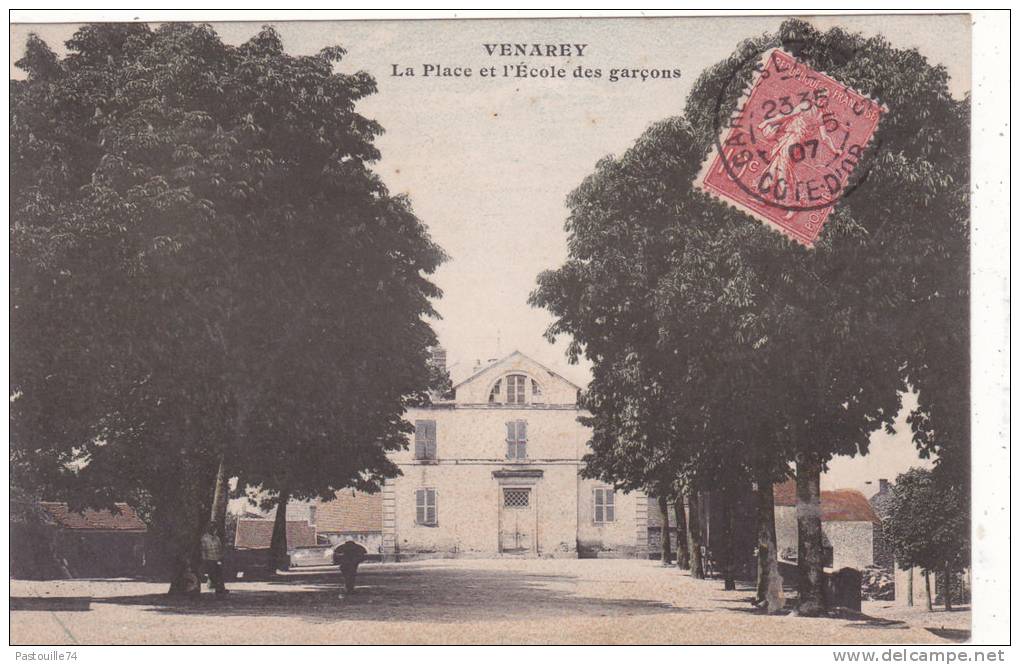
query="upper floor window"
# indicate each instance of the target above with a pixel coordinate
(605, 505)
(515, 386)
(536, 392)
(517, 440)
(425, 439)
(494, 395)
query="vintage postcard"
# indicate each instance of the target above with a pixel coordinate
(498, 330)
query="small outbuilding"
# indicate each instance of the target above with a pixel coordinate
(850, 526)
(49, 540)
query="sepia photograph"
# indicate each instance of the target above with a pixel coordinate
(520, 330)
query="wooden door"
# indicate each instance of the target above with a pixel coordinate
(517, 521)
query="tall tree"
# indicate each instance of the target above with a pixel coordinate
(205, 271)
(846, 313)
(928, 527)
(760, 351)
(666, 548)
(683, 553)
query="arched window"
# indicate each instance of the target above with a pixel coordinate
(515, 387)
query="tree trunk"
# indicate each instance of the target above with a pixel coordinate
(947, 587)
(221, 492)
(278, 545)
(728, 559)
(927, 591)
(910, 587)
(667, 550)
(767, 555)
(187, 553)
(683, 553)
(182, 518)
(810, 556)
(694, 536)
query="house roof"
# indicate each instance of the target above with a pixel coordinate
(349, 511)
(258, 534)
(124, 518)
(502, 360)
(844, 505)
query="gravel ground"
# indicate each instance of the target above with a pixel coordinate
(446, 601)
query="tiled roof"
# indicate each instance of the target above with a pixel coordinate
(493, 363)
(258, 534)
(837, 505)
(350, 511)
(123, 519)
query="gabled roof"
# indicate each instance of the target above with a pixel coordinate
(502, 360)
(258, 534)
(123, 519)
(357, 511)
(844, 505)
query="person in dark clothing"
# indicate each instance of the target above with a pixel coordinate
(212, 559)
(349, 556)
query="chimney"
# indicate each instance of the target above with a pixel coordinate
(883, 485)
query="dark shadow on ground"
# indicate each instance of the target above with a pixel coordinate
(50, 604)
(953, 634)
(409, 593)
(857, 619)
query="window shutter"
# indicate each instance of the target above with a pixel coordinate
(522, 439)
(610, 505)
(419, 502)
(599, 508)
(430, 507)
(430, 443)
(425, 439)
(420, 433)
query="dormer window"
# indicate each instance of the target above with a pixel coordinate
(515, 387)
(516, 390)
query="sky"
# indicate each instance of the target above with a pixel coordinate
(488, 162)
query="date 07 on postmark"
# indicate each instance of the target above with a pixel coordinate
(786, 154)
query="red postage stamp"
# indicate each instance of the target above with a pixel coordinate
(786, 154)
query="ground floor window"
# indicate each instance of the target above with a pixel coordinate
(425, 506)
(605, 505)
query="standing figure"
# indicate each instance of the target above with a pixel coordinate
(212, 558)
(349, 556)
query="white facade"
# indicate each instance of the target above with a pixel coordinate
(495, 472)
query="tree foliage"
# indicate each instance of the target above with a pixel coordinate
(203, 265)
(928, 524)
(719, 346)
